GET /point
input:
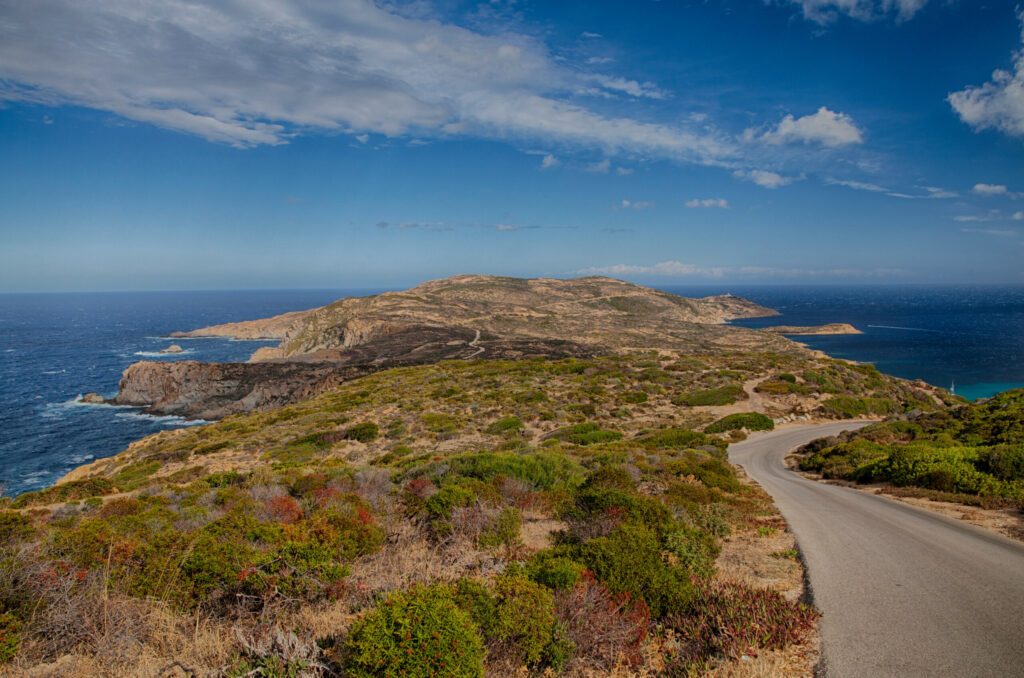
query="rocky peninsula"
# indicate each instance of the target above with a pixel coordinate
(469, 316)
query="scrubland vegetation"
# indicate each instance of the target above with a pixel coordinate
(452, 519)
(972, 454)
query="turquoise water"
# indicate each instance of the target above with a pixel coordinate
(972, 336)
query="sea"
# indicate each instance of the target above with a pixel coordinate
(55, 347)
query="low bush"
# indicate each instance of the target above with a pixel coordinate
(752, 421)
(730, 620)
(630, 561)
(604, 628)
(10, 637)
(525, 619)
(724, 395)
(554, 570)
(586, 434)
(363, 433)
(505, 425)
(415, 633)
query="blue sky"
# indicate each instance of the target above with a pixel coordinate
(307, 143)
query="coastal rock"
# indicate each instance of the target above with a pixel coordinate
(92, 399)
(173, 348)
(197, 390)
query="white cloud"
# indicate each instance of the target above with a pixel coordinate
(664, 268)
(549, 161)
(252, 73)
(825, 127)
(989, 189)
(678, 269)
(764, 178)
(826, 11)
(1001, 232)
(930, 192)
(623, 171)
(1018, 216)
(600, 167)
(858, 185)
(362, 138)
(997, 104)
(637, 204)
(633, 88)
(939, 193)
(720, 203)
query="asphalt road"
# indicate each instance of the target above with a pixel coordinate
(903, 591)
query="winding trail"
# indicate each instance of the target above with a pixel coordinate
(904, 592)
(479, 349)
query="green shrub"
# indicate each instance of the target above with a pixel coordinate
(10, 637)
(505, 425)
(504, 531)
(75, 490)
(14, 527)
(415, 633)
(526, 618)
(676, 439)
(436, 422)
(587, 433)
(695, 550)
(365, 432)
(475, 599)
(849, 407)
(541, 470)
(752, 421)
(630, 561)
(724, 395)
(556, 571)
(1005, 462)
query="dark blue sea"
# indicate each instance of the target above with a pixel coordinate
(54, 347)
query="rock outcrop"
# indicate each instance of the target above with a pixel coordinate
(199, 390)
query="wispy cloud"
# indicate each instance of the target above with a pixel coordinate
(930, 192)
(764, 178)
(636, 204)
(678, 269)
(1001, 232)
(827, 11)
(696, 203)
(549, 161)
(997, 104)
(599, 167)
(253, 73)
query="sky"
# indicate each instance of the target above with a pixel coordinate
(172, 144)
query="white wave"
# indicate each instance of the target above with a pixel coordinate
(81, 458)
(9, 350)
(161, 354)
(54, 371)
(162, 419)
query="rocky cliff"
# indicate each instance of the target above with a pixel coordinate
(214, 390)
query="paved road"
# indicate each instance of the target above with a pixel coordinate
(904, 592)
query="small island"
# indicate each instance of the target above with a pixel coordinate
(831, 328)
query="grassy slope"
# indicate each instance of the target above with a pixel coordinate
(971, 454)
(571, 492)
